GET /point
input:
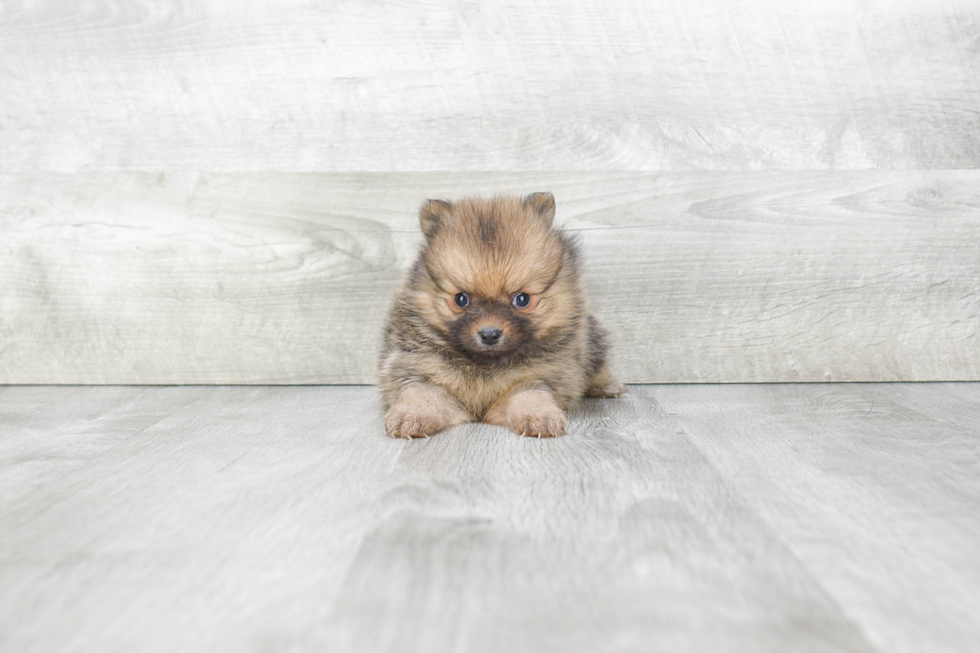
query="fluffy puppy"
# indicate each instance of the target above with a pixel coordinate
(491, 324)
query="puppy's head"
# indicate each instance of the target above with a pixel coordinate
(495, 277)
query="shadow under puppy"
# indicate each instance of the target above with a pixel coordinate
(491, 324)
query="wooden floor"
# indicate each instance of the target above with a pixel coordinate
(679, 518)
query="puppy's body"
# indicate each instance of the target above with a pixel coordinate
(491, 324)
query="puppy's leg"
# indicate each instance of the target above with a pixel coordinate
(601, 382)
(604, 384)
(532, 412)
(422, 410)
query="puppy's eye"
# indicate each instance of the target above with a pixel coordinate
(521, 300)
(462, 300)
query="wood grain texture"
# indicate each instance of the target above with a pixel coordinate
(617, 537)
(285, 278)
(874, 488)
(46, 437)
(741, 519)
(227, 525)
(526, 85)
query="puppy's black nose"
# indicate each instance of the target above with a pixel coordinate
(490, 336)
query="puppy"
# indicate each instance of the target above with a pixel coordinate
(491, 324)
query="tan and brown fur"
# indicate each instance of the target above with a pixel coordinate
(436, 369)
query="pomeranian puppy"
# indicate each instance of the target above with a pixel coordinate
(491, 324)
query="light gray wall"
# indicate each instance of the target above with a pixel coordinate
(225, 192)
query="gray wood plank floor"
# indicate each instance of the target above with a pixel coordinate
(679, 518)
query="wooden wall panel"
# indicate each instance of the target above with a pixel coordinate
(218, 191)
(284, 277)
(294, 85)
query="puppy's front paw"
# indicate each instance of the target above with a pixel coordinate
(404, 422)
(421, 411)
(531, 413)
(546, 424)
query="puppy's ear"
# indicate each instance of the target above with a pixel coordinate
(543, 204)
(433, 215)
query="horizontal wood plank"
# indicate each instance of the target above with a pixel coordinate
(528, 85)
(285, 278)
